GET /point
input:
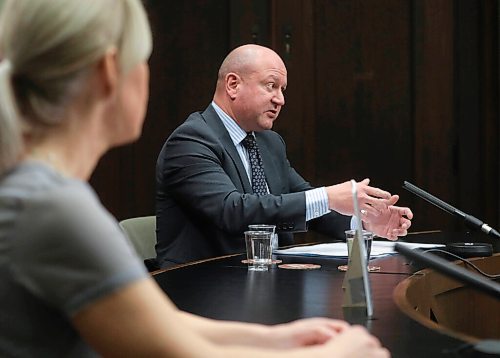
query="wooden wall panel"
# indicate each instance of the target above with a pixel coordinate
(477, 117)
(249, 22)
(293, 39)
(489, 109)
(363, 123)
(435, 149)
(467, 103)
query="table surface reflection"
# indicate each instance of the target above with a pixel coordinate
(223, 288)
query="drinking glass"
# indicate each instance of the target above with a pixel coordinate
(274, 237)
(368, 239)
(258, 244)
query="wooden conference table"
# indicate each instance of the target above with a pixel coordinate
(223, 288)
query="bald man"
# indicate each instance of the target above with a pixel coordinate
(211, 185)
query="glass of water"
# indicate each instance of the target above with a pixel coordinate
(258, 244)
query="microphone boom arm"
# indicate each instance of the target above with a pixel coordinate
(470, 220)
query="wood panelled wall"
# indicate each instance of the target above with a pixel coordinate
(387, 89)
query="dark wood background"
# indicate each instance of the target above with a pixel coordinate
(387, 89)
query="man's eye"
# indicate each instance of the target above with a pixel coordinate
(270, 85)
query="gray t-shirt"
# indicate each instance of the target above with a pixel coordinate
(59, 251)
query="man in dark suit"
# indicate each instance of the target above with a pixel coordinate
(210, 184)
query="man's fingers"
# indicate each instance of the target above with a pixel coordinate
(368, 209)
(379, 205)
(408, 213)
(377, 193)
(404, 212)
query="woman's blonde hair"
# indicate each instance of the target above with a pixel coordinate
(48, 47)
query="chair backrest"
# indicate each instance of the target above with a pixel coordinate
(142, 233)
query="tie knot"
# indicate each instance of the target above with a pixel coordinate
(249, 141)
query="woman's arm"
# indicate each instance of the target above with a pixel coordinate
(299, 333)
(139, 320)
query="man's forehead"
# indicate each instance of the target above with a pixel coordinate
(274, 74)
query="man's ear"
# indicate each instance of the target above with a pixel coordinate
(108, 72)
(232, 82)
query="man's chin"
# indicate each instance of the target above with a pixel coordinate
(264, 128)
(267, 124)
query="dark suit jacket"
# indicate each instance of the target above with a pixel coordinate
(204, 200)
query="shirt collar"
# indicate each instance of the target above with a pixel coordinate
(236, 133)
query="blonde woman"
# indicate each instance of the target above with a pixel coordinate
(74, 83)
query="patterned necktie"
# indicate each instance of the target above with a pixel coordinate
(259, 186)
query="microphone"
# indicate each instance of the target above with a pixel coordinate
(470, 220)
(458, 273)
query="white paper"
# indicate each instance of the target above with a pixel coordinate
(339, 249)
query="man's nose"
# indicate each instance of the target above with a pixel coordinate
(279, 98)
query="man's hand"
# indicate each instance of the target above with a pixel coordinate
(389, 223)
(372, 200)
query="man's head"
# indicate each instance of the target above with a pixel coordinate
(250, 86)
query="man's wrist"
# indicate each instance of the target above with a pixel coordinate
(316, 203)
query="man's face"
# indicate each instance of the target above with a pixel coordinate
(260, 95)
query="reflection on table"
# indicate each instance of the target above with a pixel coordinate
(223, 288)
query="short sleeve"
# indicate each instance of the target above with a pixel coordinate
(71, 251)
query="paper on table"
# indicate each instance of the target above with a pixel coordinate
(339, 249)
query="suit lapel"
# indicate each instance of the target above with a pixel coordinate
(215, 123)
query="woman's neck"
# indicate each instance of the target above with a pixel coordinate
(75, 146)
(65, 160)
(73, 152)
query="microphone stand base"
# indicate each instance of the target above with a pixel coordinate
(470, 249)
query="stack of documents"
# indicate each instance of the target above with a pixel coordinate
(339, 249)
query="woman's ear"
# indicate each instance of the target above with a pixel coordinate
(233, 82)
(108, 72)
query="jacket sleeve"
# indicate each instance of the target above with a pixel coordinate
(332, 224)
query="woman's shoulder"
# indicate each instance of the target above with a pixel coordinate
(33, 187)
